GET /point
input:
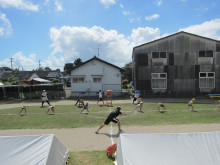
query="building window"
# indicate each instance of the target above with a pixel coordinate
(159, 54)
(159, 80)
(206, 53)
(206, 79)
(97, 79)
(78, 80)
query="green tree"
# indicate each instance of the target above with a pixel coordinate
(78, 61)
(12, 80)
(67, 68)
(128, 72)
(55, 80)
(47, 69)
(5, 68)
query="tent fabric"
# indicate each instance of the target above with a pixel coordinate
(32, 150)
(169, 149)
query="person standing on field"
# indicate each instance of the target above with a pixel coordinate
(100, 97)
(44, 98)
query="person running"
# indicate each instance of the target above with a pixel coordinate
(85, 107)
(190, 104)
(161, 105)
(51, 108)
(24, 107)
(112, 118)
(100, 97)
(136, 95)
(44, 98)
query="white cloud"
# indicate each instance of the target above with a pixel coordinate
(46, 2)
(69, 43)
(143, 35)
(20, 61)
(159, 2)
(126, 12)
(121, 5)
(151, 17)
(137, 19)
(5, 26)
(58, 5)
(107, 3)
(210, 29)
(20, 4)
(82, 42)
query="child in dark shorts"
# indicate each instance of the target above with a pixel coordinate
(112, 118)
(85, 107)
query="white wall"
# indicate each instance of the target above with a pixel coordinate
(111, 78)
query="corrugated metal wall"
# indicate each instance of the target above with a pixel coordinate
(182, 64)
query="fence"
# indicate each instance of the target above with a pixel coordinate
(31, 92)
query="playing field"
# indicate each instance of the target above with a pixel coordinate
(68, 117)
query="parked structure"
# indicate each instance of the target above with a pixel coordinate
(179, 64)
(93, 75)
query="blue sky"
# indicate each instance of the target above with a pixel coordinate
(56, 32)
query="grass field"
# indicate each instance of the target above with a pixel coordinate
(68, 116)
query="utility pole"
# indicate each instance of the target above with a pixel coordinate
(11, 63)
(98, 50)
(39, 64)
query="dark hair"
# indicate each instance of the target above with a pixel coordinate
(119, 108)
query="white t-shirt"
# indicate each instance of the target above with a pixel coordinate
(44, 96)
(100, 94)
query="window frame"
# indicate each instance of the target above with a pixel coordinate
(205, 53)
(159, 55)
(206, 75)
(79, 79)
(96, 77)
(157, 76)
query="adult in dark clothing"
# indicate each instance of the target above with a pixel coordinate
(79, 99)
(112, 118)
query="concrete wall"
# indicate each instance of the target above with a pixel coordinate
(182, 64)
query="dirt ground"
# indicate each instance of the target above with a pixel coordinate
(85, 139)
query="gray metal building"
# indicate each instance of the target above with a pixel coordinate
(179, 64)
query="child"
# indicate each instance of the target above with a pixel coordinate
(100, 97)
(161, 105)
(85, 107)
(139, 105)
(136, 95)
(24, 107)
(190, 104)
(52, 108)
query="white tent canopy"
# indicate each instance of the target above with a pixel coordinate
(32, 150)
(169, 149)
